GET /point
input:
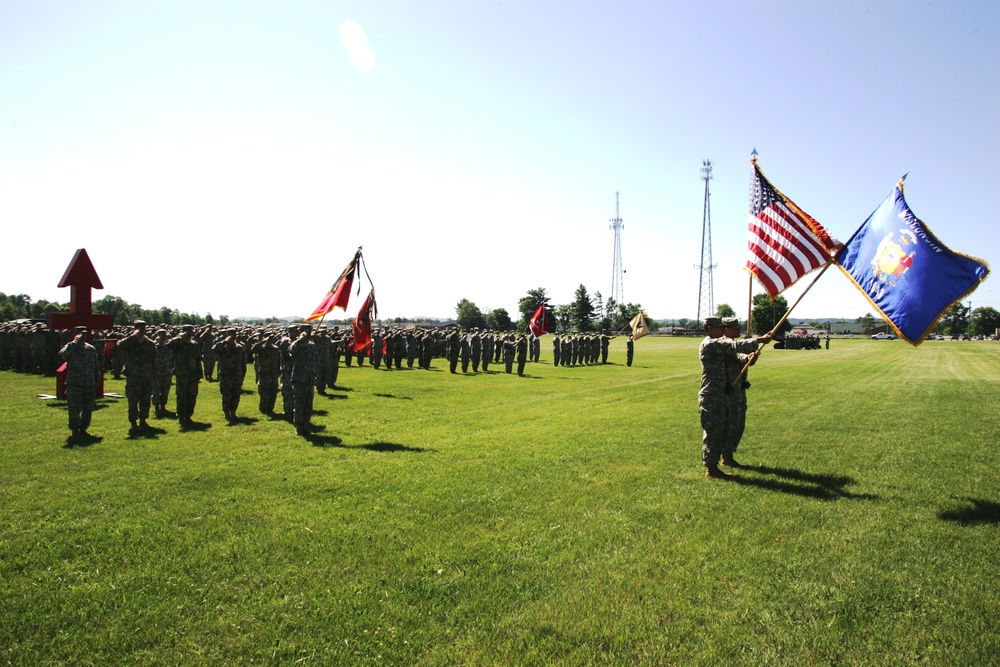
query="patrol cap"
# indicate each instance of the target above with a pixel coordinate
(80, 329)
(161, 332)
(713, 322)
(731, 322)
(139, 324)
(187, 328)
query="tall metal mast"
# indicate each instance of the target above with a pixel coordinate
(706, 298)
(617, 272)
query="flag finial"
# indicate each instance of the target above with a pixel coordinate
(902, 178)
(753, 155)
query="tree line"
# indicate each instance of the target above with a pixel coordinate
(585, 313)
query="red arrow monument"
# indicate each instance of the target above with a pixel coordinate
(80, 277)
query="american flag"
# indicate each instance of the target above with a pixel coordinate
(785, 242)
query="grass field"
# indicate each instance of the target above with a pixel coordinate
(558, 519)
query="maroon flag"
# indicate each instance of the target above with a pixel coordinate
(362, 326)
(539, 322)
(340, 293)
(785, 242)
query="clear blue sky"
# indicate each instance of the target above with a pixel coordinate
(228, 157)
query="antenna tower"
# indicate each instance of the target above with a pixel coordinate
(617, 272)
(706, 298)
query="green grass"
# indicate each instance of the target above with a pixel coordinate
(562, 518)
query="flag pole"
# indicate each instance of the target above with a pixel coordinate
(756, 353)
(750, 304)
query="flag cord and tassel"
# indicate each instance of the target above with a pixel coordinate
(756, 353)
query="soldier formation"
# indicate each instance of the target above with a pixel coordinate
(296, 361)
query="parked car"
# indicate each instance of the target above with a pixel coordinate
(884, 336)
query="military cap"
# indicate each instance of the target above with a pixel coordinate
(731, 322)
(80, 329)
(187, 328)
(712, 322)
(161, 332)
(139, 324)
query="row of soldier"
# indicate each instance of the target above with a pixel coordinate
(295, 361)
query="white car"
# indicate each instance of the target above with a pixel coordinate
(884, 336)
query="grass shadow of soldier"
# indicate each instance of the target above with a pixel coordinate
(242, 421)
(981, 512)
(401, 398)
(797, 482)
(145, 433)
(195, 426)
(85, 440)
(333, 397)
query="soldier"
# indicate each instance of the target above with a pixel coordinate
(737, 395)
(476, 341)
(139, 357)
(488, 343)
(187, 372)
(605, 346)
(454, 342)
(377, 349)
(303, 354)
(323, 352)
(267, 358)
(713, 399)
(163, 374)
(336, 346)
(536, 349)
(411, 347)
(82, 374)
(465, 351)
(629, 350)
(232, 359)
(207, 340)
(522, 354)
(287, 395)
(555, 350)
(508, 353)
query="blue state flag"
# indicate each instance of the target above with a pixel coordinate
(905, 271)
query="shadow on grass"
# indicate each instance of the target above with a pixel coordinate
(799, 483)
(243, 421)
(982, 511)
(402, 398)
(332, 397)
(195, 426)
(148, 433)
(318, 440)
(82, 441)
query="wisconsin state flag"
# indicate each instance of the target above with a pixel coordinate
(905, 271)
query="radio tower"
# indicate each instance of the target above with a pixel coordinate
(706, 299)
(617, 272)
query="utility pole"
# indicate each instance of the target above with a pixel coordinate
(617, 272)
(706, 297)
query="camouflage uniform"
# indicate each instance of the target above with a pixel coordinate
(187, 372)
(139, 356)
(82, 372)
(303, 355)
(465, 352)
(522, 354)
(713, 396)
(629, 350)
(287, 395)
(555, 350)
(324, 348)
(488, 343)
(208, 358)
(163, 375)
(476, 341)
(508, 354)
(454, 341)
(737, 396)
(232, 359)
(267, 358)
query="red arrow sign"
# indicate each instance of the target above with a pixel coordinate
(80, 277)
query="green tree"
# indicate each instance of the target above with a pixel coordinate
(985, 321)
(498, 319)
(724, 310)
(564, 317)
(767, 313)
(867, 322)
(529, 303)
(583, 309)
(956, 319)
(469, 316)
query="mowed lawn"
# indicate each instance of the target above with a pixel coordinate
(558, 519)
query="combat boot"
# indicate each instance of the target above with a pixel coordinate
(713, 472)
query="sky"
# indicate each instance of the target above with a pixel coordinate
(229, 157)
